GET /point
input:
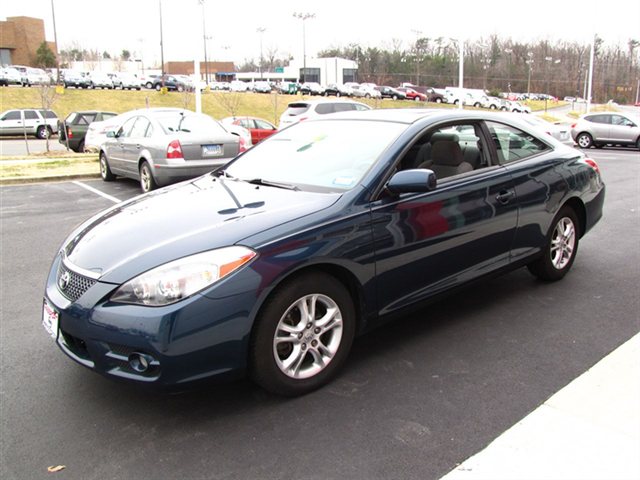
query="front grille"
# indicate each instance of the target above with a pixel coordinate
(71, 284)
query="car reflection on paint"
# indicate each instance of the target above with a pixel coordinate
(270, 266)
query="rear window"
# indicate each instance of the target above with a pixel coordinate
(107, 116)
(48, 114)
(297, 109)
(194, 123)
(86, 119)
(599, 118)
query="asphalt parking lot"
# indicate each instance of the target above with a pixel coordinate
(417, 396)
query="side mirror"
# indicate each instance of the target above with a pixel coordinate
(412, 181)
(111, 134)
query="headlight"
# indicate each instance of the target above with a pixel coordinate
(182, 278)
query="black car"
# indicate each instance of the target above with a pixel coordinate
(72, 131)
(390, 92)
(335, 90)
(171, 83)
(272, 265)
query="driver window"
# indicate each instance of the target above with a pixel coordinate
(447, 151)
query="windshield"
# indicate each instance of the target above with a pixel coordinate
(329, 155)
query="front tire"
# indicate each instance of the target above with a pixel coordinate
(584, 140)
(561, 249)
(302, 335)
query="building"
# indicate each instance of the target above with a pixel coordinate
(20, 38)
(322, 70)
(218, 71)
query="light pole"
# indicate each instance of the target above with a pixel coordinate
(546, 94)
(55, 39)
(161, 45)
(418, 56)
(304, 17)
(529, 62)
(261, 31)
(461, 71)
(204, 39)
(508, 51)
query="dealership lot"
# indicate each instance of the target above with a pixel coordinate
(417, 396)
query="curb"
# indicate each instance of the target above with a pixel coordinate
(48, 179)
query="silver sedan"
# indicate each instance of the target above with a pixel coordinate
(163, 146)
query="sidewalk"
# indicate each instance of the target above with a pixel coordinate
(589, 430)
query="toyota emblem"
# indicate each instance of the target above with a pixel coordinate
(63, 281)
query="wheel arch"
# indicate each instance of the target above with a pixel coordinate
(581, 212)
(342, 274)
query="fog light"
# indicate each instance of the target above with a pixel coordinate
(140, 362)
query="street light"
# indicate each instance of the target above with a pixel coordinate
(304, 17)
(546, 94)
(161, 45)
(529, 62)
(204, 39)
(261, 31)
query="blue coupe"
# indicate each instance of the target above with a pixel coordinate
(271, 265)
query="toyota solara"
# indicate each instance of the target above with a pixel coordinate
(271, 265)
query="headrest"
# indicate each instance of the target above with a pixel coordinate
(438, 136)
(446, 152)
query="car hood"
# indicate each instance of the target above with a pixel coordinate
(203, 214)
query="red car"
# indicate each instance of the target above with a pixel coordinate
(259, 128)
(412, 94)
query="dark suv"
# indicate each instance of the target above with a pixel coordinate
(74, 128)
(170, 82)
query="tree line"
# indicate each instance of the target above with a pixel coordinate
(559, 69)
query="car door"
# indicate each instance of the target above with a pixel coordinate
(11, 123)
(539, 184)
(115, 147)
(133, 144)
(623, 130)
(601, 127)
(429, 242)
(32, 121)
(262, 130)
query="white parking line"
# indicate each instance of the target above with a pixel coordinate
(97, 192)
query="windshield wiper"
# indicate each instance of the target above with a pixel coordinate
(268, 183)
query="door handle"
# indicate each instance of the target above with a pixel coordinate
(505, 196)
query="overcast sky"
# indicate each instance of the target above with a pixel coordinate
(113, 25)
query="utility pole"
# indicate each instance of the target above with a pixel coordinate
(55, 39)
(161, 45)
(304, 17)
(204, 38)
(261, 31)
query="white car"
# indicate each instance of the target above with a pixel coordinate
(516, 107)
(561, 132)
(100, 80)
(238, 86)
(366, 90)
(97, 131)
(300, 111)
(40, 123)
(11, 76)
(130, 81)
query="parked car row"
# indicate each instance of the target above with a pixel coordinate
(22, 75)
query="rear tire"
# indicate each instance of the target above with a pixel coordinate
(147, 182)
(584, 140)
(302, 335)
(105, 171)
(561, 249)
(43, 132)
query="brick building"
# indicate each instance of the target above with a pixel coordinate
(20, 38)
(222, 71)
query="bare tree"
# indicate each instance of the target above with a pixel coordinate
(229, 101)
(48, 96)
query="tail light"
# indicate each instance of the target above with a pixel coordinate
(69, 133)
(592, 164)
(174, 149)
(242, 147)
(573, 125)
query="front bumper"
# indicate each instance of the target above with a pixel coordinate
(198, 338)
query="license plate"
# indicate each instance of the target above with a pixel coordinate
(211, 150)
(50, 319)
